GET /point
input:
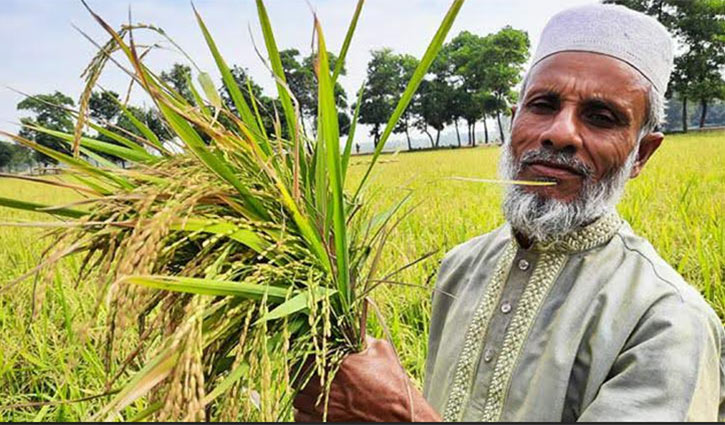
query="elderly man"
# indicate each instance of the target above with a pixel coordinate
(563, 313)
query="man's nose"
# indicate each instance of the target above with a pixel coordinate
(563, 133)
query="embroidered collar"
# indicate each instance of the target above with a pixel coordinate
(597, 233)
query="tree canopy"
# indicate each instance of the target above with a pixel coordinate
(48, 111)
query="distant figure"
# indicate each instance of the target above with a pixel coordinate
(357, 147)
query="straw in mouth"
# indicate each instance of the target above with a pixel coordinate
(518, 182)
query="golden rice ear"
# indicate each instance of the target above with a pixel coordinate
(224, 253)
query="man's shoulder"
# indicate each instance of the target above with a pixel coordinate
(467, 252)
(665, 284)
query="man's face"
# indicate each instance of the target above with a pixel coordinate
(583, 108)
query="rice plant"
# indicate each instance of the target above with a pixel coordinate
(234, 252)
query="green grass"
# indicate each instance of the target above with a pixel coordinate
(676, 204)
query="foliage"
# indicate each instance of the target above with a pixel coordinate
(380, 93)
(675, 203)
(699, 27)
(302, 81)
(6, 154)
(238, 254)
(178, 77)
(50, 113)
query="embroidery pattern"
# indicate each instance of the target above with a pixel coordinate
(554, 255)
(473, 343)
(586, 238)
(546, 272)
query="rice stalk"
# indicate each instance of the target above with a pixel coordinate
(231, 253)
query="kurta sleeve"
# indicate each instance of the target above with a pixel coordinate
(670, 369)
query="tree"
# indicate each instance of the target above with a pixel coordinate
(506, 52)
(380, 92)
(49, 112)
(699, 28)
(104, 105)
(486, 68)
(406, 67)
(178, 78)
(700, 25)
(22, 158)
(467, 81)
(301, 78)
(431, 107)
(6, 154)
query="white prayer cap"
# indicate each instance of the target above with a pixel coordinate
(632, 37)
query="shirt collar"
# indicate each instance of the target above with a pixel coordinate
(595, 234)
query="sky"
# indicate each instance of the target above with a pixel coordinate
(42, 52)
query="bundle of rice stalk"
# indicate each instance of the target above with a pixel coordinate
(235, 250)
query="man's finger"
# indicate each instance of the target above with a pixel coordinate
(307, 403)
(301, 416)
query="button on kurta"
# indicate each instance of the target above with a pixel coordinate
(506, 307)
(523, 264)
(488, 355)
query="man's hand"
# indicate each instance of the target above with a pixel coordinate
(369, 387)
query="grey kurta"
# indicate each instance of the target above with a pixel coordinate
(593, 326)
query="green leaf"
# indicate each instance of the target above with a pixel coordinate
(143, 128)
(69, 160)
(330, 136)
(228, 79)
(351, 134)
(197, 98)
(103, 162)
(348, 38)
(425, 63)
(227, 383)
(118, 138)
(211, 93)
(244, 236)
(276, 63)
(127, 154)
(145, 413)
(215, 163)
(146, 379)
(191, 285)
(297, 303)
(40, 208)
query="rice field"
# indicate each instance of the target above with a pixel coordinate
(50, 348)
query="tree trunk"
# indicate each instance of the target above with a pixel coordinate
(427, 133)
(407, 136)
(376, 135)
(485, 130)
(684, 114)
(438, 138)
(500, 127)
(458, 135)
(470, 133)
(703, 104)
(473, 134)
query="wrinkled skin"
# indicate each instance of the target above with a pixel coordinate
(587, 105)
(370, 386)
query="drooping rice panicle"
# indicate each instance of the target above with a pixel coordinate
(233, 251)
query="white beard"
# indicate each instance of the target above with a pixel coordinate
(539, 218)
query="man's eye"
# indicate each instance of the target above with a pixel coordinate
(541, 105)
(600, 118)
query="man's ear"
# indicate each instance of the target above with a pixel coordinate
(649, 144)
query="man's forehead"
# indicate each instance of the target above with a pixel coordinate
(596, 75)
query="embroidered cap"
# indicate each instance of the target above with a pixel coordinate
(632, 37)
